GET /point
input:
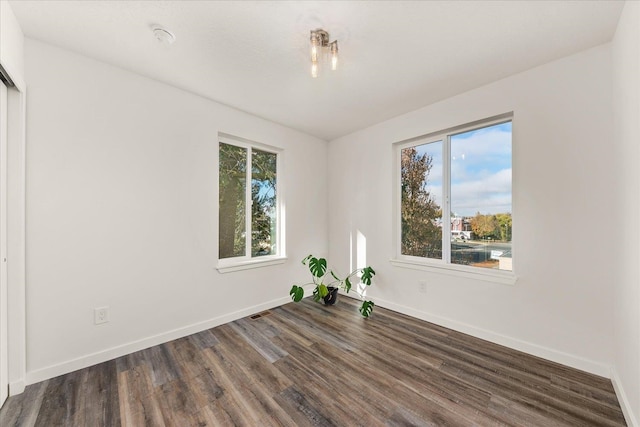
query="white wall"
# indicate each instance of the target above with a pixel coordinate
(626, 109)
(11, 44)
(565, 245)
(121, 201)
(121, 208)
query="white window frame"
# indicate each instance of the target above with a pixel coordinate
(444, 265)
(226, 265)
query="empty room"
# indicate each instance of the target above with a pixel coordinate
(319, 213)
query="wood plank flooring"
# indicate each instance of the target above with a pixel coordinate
(309, 365)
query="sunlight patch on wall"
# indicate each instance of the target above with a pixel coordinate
(361, 260)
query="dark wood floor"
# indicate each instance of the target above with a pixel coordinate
(307, 364)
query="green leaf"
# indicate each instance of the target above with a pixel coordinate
(367, 275)
(297, 293)
(317, 266)
(334, 276)
(319, 292)
(367, 308)
(322, 290)
(347, 284)
(307, 258)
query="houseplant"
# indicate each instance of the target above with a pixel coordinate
(329, 291)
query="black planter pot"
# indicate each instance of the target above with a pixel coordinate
(332, 296)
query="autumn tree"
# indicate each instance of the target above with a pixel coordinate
(485, 226)
(421, 235)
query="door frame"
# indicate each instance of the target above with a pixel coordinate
(16, 230)
(4, 293)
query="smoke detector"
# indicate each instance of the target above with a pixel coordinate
(163, 35)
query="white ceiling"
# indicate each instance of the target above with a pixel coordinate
(395, 56)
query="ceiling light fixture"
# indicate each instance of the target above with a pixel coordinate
(163, 35)
(319, 43)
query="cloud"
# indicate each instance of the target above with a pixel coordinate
(480, 153)
(489, 194)
(480, 170)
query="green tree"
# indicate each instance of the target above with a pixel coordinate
(263, 206)
(505, 225)
(421, 235)
(233, 211)
(232, 181)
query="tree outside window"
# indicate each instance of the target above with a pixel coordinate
(246, 232)
(455, 197)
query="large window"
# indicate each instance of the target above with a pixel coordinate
(248, 201)
(455, 197)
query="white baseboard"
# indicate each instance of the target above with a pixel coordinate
(121, 350)
(629, 417)
(567, 359)
(17, 387)
(114, 352)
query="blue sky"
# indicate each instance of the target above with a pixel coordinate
(480, 170)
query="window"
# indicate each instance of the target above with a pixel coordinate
(249, 202)
(454, 198)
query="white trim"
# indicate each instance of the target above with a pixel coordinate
(247, 143)
(248, 204)
(247, 261)
(17, 105)
(4, 244)
(597, 368)
(625, 405)
(17, 387)
(443, 136)
(249, 264)
(446, 199)
(17, 246)
(396, 199)
(485, 274)
(121, 350)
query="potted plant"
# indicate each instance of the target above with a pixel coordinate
(329, 292)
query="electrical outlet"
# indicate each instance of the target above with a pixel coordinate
(422, 286)
(100, 315)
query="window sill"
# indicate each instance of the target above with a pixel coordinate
(486, 275)
(247, 265)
